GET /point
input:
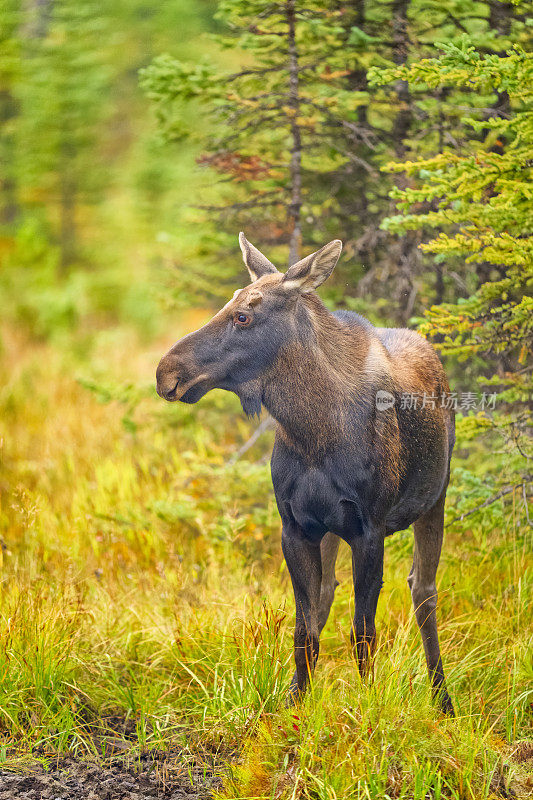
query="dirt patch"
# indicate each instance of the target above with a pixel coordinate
(523, 752)
(150, 776)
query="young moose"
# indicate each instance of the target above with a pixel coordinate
(351, 460)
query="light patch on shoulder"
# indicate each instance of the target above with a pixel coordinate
(376, 361)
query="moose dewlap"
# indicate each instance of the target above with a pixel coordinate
(350, 461)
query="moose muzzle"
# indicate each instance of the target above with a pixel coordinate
(176, 377)
(168, 377)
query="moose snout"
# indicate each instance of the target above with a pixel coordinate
(177, 373)
(168, 378)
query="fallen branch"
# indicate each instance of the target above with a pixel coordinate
(491, 500)
(268, 422)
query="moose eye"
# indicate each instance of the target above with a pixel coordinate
(242, 319)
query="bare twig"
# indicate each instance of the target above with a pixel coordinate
(264, 70)
(506, 490)
(261, 428)
(524, 495)
(359, 132)
(256, 202)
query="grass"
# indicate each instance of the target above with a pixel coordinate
(142, 578)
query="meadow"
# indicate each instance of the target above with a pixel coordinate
(142, 582)
(146, 614)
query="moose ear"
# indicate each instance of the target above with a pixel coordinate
(313, 270)
(257, 263)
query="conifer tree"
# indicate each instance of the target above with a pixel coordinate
(274, 120)
(61, 93)
(300, 139)
(481, 202)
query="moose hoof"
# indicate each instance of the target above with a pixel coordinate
(294, 694)
(445, 703)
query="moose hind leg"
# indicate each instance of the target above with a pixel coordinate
(305, 568)
(329, 548)
(428, 542)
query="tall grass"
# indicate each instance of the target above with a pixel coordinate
(142, 579)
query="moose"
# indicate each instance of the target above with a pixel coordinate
(351, 460)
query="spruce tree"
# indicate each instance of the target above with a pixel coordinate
(300, 140)
(62, 96)
(479, 203)
(273, 120)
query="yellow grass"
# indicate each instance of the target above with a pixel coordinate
(142, 576)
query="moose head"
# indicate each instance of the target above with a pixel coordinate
(236, 349)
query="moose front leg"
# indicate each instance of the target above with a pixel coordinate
(367, 565)
(305, 568)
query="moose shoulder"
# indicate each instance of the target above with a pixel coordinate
(363, 441)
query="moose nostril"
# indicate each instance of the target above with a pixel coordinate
(168, 391)
(172, 391)
(167, 386)
(170, 375)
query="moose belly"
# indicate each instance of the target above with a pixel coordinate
(318, 507)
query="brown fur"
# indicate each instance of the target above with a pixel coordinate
(342, 466)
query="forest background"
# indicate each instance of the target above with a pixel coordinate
(140, 560)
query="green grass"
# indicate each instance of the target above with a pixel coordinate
(142, 576)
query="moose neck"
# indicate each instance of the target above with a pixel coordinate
(317, 379)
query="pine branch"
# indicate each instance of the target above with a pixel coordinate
(240, 206)
(261, 71)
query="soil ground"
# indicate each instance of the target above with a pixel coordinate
(145, 777)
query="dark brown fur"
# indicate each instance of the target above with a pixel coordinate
(342, 466)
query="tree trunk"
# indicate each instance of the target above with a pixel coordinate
(294, 210)
(400, 44)
(37, 13)
(500, 18)
(67, 209)
(8, 186)
(406, 251)
(358, 82)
